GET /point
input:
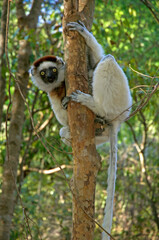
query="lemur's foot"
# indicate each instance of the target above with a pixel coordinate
(99, 131)
(81, 23)
(102, 121)
(65, 102)
(74, 96)
(79, 96)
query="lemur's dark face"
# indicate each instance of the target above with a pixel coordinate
(49, 75)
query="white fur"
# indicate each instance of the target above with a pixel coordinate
(111, 94)
(60, 113)
(108, 211)
(65, 135)
(110, 90)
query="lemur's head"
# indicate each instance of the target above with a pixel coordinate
(47, 73)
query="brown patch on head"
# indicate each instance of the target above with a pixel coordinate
(49, 58)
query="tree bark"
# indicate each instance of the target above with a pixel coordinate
(17, 118)
(81, 122)
(2, 59)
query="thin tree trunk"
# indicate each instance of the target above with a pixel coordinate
(81, 121)
(17, 118)
(14, 142)
(2, 59)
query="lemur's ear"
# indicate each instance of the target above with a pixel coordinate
(32, 71)
(60, 61)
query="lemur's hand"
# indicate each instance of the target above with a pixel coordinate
(77, 26)
(65, 102)
(80, 28)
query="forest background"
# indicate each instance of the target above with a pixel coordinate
(129, 31)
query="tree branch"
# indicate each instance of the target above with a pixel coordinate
(150, 7)
(2, 59)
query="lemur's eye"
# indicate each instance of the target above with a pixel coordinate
(54, 70)
(42, 73)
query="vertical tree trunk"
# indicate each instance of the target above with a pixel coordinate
(2, 59)
(14, 142)
(7, 199)
(81, 121)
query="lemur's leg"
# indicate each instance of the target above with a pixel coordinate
(65, 135)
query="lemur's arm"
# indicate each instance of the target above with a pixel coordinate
(96, 49)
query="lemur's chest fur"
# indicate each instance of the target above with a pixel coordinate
(59, 92)
(56, 96)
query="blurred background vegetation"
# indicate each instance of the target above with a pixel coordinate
(130, 32)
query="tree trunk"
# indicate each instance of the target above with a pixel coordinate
(81, 122)
(14, 142)
(17, 118)
(2, 59)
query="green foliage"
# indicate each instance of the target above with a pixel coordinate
(127, 30)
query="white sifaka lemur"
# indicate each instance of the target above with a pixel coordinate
(47, 73)
(110, 100)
